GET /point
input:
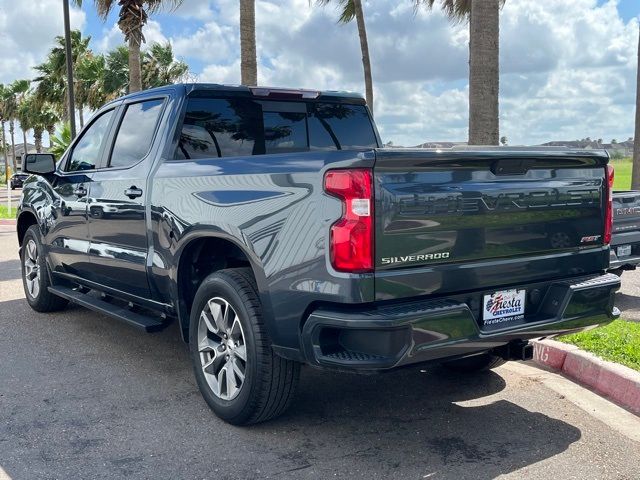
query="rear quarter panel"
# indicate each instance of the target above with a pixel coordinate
(274, 208)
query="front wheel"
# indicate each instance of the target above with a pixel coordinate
(476, 363)
(239, 375)
(35, 276)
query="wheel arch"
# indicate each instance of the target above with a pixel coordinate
(210, 252)
(26, 219)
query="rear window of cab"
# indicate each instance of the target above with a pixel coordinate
(229, 127)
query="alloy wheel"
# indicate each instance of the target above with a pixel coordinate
(222, 348)
(32, 269)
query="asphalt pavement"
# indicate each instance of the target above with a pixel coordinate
(83, 396)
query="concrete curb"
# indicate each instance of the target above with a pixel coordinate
(617, 382)
(7, 221)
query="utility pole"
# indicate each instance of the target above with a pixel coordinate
(69, 58)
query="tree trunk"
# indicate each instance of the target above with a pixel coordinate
(248, 55)
(81, 114)
(135, 72)
(6, 156)
(51, 130)
(364, 47)
(635, 178)
(37, 138)
(13, 145)
(484, 72)
(24, 145)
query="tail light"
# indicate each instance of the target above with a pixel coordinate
(608, 214)
(351, 244)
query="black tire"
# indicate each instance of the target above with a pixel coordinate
(617, 271)
(44, 301)
(269, 381)
(476, 363)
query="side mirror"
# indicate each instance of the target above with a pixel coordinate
(39, 163)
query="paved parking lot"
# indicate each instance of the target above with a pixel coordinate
(82, 396)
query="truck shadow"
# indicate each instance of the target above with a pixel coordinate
(429, 421)
(122, 394)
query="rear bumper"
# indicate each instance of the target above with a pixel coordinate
(393, 335)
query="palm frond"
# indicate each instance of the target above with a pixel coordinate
(346, 8)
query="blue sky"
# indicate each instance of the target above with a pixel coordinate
(628, 9)
(568, 68)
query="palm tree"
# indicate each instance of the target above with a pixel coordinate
(351, 9)
(90, 72)
(116, 75)
(159, 66)
(52, 85)
(635, 181)
(248, 56)
(4, 92)
(60, 141)
(20, 88)
(133, 16)
(484, 68)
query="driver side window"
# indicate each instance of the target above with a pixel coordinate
(86, 152)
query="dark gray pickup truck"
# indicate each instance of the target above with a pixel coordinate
(271, 226)
(625, 241)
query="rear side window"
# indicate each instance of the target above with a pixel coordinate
(135, 134)
(227, 127)
(217, 127)
(335, 126)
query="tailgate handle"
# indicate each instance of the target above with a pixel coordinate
(511, 167)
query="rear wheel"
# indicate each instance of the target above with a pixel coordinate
(476, 363)
(35, 274)
(239, 375)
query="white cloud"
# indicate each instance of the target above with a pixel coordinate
(215, 43)
(26, 32)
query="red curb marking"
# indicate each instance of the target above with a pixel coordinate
(617, 382)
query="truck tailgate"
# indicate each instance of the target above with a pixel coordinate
(626, 211)
(459, 220)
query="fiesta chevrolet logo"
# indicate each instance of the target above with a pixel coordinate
(446, 203)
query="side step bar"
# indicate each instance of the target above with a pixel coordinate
(143, 322)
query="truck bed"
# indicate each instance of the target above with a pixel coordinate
(468, 219)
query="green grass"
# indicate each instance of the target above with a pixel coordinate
(622, 179)
(617, 342)
(4, 212)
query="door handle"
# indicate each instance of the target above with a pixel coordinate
(80, 192)
(133, 192)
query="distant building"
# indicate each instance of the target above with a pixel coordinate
(31, 148)
(618, 149)
(440, 144)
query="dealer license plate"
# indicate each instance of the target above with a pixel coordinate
(503, 307)
(624, 251)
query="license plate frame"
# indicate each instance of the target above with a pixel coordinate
(623, 250)
(503, 306)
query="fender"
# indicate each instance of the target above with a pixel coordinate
(200, 232)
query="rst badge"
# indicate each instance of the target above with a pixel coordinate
(503, 306)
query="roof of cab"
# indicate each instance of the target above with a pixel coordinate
(260, 91)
